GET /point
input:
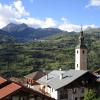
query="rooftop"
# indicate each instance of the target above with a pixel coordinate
(2, 80)
(47, 78)
(11, 88)
(68, 77)
(36, 75)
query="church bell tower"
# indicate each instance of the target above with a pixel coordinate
(81, 54)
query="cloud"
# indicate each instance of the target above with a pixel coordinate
(95, 3)
(74, 27)
(8, 13)
(49, 22)
(20, 8)
(16, 13)
(69, 27)
(33, 22)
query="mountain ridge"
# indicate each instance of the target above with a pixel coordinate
(24, 32)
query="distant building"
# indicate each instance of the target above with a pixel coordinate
(30, 79)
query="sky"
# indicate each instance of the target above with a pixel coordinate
(66, 15)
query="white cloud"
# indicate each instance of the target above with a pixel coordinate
(69, 27)
(20, 8)
(48, 22)
(74, 27)
(87, 26)
(8, 13)
(33, 22)
(17, 13)
(95, 3)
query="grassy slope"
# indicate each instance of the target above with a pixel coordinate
(52, 53)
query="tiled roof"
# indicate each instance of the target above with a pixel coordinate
(9, 89)
(2, 80)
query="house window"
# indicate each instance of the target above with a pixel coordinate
(77, 51)
(81, 98)
(83, 51)
(77, 65)
(52, 90)
(74, 90)
(63, 94)
(82, 90)
(76, 98)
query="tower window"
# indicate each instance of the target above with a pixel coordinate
(77, 65)
(77, 51)
(83, 51)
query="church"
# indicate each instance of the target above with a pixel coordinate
(70, 84)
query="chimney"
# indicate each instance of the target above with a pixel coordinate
(61, 76)
(47, 77)
(60, 69)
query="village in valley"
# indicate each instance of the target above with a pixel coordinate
(56, 84)
(49, 49)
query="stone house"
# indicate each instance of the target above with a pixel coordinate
(69, 85)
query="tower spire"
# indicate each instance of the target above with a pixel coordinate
(81, 39)
(81, 53)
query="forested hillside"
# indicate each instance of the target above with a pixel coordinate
(57, 51)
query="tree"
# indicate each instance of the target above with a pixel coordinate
(89, 95)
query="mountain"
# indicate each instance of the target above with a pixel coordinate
(5, 37)
(14, 27)
(25, 33)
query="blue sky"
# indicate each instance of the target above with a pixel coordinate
(63, 14)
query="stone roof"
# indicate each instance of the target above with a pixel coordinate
(47, 78)
(55, 82)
